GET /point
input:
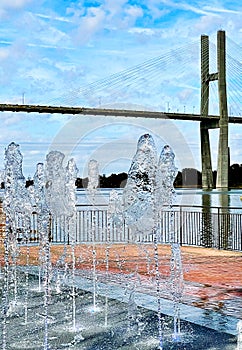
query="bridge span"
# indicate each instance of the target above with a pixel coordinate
(213, 119)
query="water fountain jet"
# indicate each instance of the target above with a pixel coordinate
(52, 199)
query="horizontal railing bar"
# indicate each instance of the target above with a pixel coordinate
(173, 206)
(94, 206)
(205, 207)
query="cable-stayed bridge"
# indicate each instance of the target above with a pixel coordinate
(214, 112)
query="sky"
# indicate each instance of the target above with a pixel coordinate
(124, 54)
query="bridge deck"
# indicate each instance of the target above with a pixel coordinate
(112, 112)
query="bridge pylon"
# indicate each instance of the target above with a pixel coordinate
(222, 124)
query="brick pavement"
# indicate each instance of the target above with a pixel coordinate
(212, 278)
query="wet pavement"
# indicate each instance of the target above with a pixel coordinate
(212, 278)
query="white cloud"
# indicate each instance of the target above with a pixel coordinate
(196, 10)
(14, 4)
(9, 8)
(145, 31)
(110, 15)
(34, 152)
(89, 25)
(156, 9)
(134, 11)
(53, 16)
(222, 10)
(10, 119)
(4, 54)
(38, 31)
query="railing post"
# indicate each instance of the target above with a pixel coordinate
(181, 225)
(219, 227)
(240, 240)
(50, 228)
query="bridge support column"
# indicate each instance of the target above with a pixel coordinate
(223, 150)
(207, 173)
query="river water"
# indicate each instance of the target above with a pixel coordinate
(214, 198)
(189, 197)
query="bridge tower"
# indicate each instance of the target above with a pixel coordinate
(223, 151)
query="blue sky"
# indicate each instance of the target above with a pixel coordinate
(53, 51)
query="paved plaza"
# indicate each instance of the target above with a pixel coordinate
(212, 278)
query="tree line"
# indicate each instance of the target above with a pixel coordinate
(188, 177)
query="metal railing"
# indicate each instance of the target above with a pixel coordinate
(213, 227)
